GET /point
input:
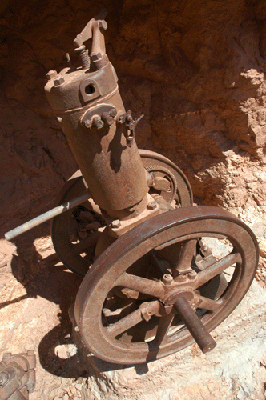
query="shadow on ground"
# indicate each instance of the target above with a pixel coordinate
(60, 351)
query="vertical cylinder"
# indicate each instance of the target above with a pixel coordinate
(111, 165)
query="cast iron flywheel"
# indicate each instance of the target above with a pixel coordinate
(126, 308)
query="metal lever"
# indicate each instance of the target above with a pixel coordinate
(130, 124)
(92, 30)
(193, 323)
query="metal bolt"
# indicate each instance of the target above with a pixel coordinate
(59, 81)
(51, 74)
(86, 123)
(96, 57)
(121, 119)
(192, 274)
(98, 122)
(167, 279)
(113, 113)
(128, 116)
(108, 117)
(151, 206)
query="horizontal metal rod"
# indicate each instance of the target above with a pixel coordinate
(194, 325)
(46, 216)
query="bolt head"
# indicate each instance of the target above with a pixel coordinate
(51, 74)
(129, 116)
(99, 123)
(86, 123)
(59, 81)
(113, 113)
(167, 279)
(192, 274)
(96, 56)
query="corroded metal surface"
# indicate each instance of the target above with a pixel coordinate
(178, 194)
(108, 307)
(144, 296)
(90, 111)
(158, 271)
(46, 216)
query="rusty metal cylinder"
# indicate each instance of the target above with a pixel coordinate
(194, 325)
(87, 104)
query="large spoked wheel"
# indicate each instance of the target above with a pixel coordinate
(125, 305)
(76, 232)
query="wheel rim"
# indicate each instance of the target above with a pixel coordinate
(67, 251)
(179, 225)
(180, 188)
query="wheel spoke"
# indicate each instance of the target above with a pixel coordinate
(208, 304)
(89, 241)
(146, 309)
(186, 256)
(142, 285)
(163, 326)
(216, 268)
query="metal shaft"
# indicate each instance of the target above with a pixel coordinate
(193, 323)
(46, 216)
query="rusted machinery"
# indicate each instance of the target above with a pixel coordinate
(17, 376)
(158, 271)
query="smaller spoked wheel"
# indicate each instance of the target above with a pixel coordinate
(166, 179)
(75, 233)
(125, 307)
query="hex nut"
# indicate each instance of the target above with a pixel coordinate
(59, 81)
(99, 123)
(51, 74)
(96, 56)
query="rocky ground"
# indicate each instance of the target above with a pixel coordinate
(36, 293)
(197, 72)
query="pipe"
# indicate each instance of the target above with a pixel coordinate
(46, 216)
